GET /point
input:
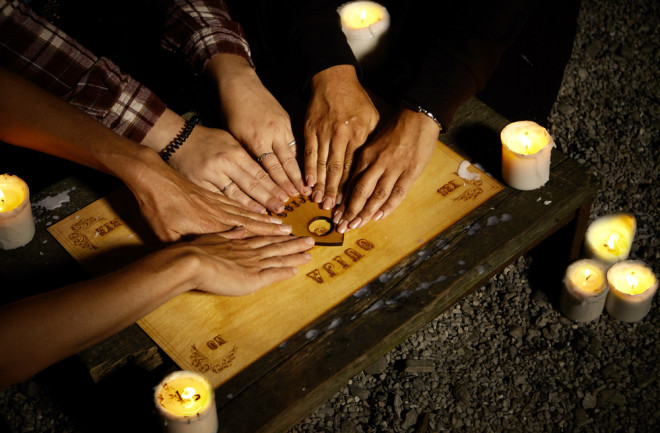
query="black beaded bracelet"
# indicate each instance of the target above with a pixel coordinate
(180, 138)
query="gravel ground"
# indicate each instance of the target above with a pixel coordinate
(504, 358)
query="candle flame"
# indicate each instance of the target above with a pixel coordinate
(587, 275)
(188, 393)
(188, 396)
(363, 15)
(2, 201)
(526, 142)
(612, 241)
(632, 281)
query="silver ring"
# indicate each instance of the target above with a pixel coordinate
(227, 186)
(263, 155)
(292, 143)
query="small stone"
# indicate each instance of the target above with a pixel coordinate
(580, 418)
(398, 405)
(378, 367)
(516, 331)
(358, 391)
(613, 396)
(410, 419)
(348, 426)
(589, 401)
(462, 394)
(419, 366)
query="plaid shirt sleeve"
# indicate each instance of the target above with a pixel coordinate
(200, 29)
(34, 48)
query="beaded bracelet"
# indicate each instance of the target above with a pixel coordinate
(180, 138)
(418, 108)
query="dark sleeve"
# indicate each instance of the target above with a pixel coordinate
(310, 32)
(463, 50)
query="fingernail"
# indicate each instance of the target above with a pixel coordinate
(356, 222)
(307, 256)
(282, 196)
(378, 215)
(309, 241)
(310, 181)
(337, 217)
(285, 228)
(327, 203)
(343, 225)
(275, 220)
(317, 196)
(307, 191)
(339, 198)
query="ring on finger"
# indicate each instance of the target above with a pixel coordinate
(292, 143)
(264, 155)
(224, 188)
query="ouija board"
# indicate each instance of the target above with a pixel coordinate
(220, 336)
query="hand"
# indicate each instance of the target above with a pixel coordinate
(239, 267)
(388, 168)
(175, 207)
(258, 121)
(340, 117)
(214, 160)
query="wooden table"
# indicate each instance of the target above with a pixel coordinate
(285, 385)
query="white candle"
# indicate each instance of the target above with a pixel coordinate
(526, 150)
(366, 25)
(585, 289)
(186, 403)
(632, 288)
(16, 221)
(609, 238)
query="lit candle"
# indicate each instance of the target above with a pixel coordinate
(526, 149)
(610, 237)
(366, 25)
(186, 403)
(16, 221)
(585, 289)
(632, 287)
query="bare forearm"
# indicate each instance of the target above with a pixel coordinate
(41, 330)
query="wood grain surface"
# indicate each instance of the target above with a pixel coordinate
(220, 336)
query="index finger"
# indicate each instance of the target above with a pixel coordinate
(285, 152)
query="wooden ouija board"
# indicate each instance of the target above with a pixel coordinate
(219, 336)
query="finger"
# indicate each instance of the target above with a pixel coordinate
(279, 248)
(351, 152)
(335, 168)
(378, 197)
(253, 181)
(234, 192)
(293, 147)
(270, 276)
(311, 156)
(360, 193)
(289, 163)
(321, 167)
(271, 163)
(396, 197)
(289, 260)
(260, 228)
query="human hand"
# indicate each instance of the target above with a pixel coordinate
(340, 117)
(258, 121)
(242, 266)
(175, 207)
(387, 169)
(214, 160)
